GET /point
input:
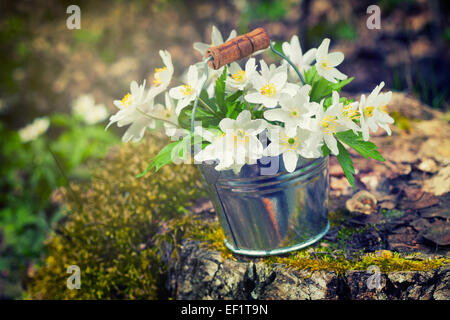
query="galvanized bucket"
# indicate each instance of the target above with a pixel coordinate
(271, 214)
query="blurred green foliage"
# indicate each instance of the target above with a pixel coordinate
(118, 234)
(271, 10)
(14, 50)
(341, 30)
(426, 87)
(29, 174)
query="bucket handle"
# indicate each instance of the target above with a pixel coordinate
(237, 49)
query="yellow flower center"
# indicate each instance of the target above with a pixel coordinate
(187, 90)
(328, 123)
(268, 90)
(290, 143)
(368, 111)
(241, 136)
(384, 109)
(295, 113)
(239, 76)
(157, 80)
(325, 63)
(127, 100)
(350, 113)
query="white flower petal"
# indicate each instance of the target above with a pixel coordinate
(176, 92)
(335, 73)
(290, 159)
(216, 36)
(331, 143)
(323, 49)
(336, 58)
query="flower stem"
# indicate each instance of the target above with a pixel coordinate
(156, 118)
(208, 107)
(288, 60)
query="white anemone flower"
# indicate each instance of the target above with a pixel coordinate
(216, 150)
(269, 88)
(132, 111)
(242, 142)
(33, 130)
(162, 76)
(294, 111)
(293, 51)
(327, 124)
(291, 146)
(240, 79)
(326, 62)
(269, 71)
(189, 91)
(168, 115)
(374, 113)
(348, 114)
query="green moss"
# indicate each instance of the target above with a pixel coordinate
(338, 217)
(338, 263)
(392, 214)
(328, 259)
(111, 230)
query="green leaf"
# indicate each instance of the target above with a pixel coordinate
(202, 114)
(235, 109)
(338, 86)
(310, 75)
(211, 102)
(231, 108)
(328, 101)
(233, 97)
(325, 150)
(322, 88)
(346, 163)
(366, 148)
(174, 150)
(220, 90)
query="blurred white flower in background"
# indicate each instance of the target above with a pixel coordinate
(84, 106)
(34, 129)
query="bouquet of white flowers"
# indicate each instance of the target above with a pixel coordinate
(296, 105)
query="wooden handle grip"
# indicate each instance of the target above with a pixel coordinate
(238, 48)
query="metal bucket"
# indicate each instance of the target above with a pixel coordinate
(271, 214)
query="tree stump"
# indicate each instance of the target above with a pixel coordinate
(409, 216)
